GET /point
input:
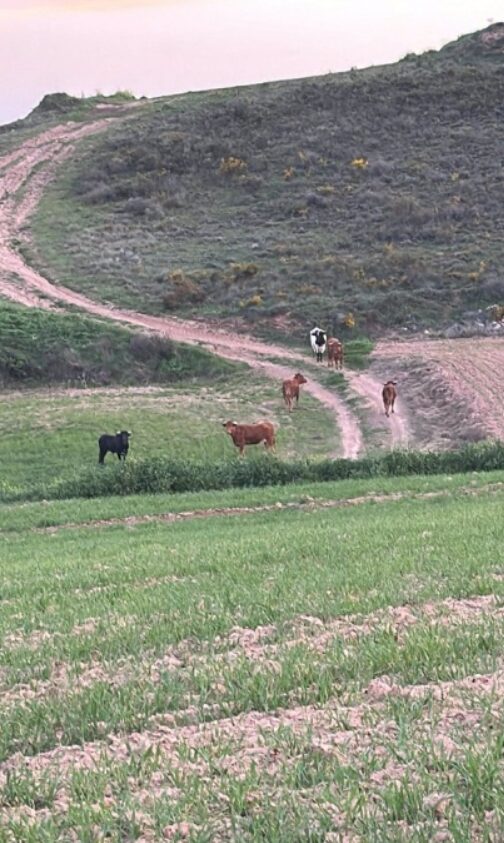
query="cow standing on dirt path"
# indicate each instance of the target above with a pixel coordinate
(290, 389)
(334, 353)
(251, 434)
(318, 341)
(389, 394)
(118, 444)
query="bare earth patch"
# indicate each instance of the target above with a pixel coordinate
(388, 736)
(454, 389)
(362, 737)
(261, 645)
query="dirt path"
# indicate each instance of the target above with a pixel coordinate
(23, 175)
(370, 390)
(454, 387)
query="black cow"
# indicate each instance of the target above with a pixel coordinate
(116, 444)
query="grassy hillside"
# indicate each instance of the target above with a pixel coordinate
(372, 196)
(40, 347)
(281, 676)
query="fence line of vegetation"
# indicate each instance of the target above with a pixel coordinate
(158, 474)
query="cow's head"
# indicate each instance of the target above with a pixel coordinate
(124, 436)
(390, 383)
(229, 426)
(299, 378)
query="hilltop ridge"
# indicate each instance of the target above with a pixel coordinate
(358, 199)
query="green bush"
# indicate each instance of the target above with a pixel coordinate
(170, 475)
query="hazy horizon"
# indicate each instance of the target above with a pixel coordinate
(162, 47)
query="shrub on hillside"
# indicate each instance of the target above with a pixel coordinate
(232, 165)
(151, 347)
(182, 290)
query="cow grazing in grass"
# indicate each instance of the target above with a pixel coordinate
(251, 434)
(389, 394)
(115, 443)
(334, 353)
(290, 389)
(318, 341)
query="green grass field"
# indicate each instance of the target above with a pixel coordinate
(303, 673)
(49, 434)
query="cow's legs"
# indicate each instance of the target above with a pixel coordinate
(101, 457)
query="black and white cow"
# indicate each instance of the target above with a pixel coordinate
(318, 340)
(116, 444)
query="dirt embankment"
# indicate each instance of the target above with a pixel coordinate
(454, 388)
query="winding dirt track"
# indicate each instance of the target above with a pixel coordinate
(370, 390)
(25, 172)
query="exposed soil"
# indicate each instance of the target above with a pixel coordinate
(350, 733)
(454, 388)
(369, 388)
(259, 645)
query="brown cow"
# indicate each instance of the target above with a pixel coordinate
(389, 394)
(251, 434)
(290, 389)
(335, 353)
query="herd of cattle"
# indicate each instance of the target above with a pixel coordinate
(264, 431)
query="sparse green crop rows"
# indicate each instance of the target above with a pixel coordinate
(272, 676)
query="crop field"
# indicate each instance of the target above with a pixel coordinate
(454, 389)
(52, 433)
(306, 669)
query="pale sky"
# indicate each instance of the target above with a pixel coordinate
(156, 47)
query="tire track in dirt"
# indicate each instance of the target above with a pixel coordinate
(469, 373)
(370, 390)
(33, 165)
